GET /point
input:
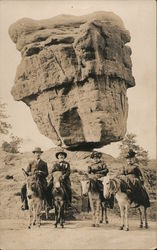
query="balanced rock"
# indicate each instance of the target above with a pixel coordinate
(74, 75)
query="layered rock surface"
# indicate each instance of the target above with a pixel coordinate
(74, 74)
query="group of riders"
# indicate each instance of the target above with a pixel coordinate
(97, 169)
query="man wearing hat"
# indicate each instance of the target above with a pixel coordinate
(97, 170)
(64, 167)
(35, 166)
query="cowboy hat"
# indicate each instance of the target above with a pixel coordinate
(131, 154)
(96, 154)
(61, 153)
(37, 149)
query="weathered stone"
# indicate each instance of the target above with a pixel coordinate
(74, 75)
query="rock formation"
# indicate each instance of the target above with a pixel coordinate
(74, 74)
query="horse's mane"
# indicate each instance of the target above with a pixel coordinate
(40, 189)
(121, 183)
(114, 184)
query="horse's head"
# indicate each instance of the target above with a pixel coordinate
(107, 186)
(57, 180)
(31, 182)
(85, 184)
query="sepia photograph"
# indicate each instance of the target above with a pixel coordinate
(78, 125)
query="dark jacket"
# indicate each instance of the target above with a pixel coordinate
(100, 169)
(64, 167)
(133, 170)
(40, 165)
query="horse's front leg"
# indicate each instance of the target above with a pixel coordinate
(62, 215)
(121, 216)
(106, 218)
(38, 213)
(30, 217)
(145, 217)
(101, 213)
(56, 213)
(91, 202)
(141, 219)
(34, 213)
(126, 218)
(98, 205)
(46, 209)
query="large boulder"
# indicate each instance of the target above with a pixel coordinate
(74, 74)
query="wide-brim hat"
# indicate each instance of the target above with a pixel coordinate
(131, 154)
(61, 153)
(96, 154)
(37, 149)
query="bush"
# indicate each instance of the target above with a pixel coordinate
(12, 146)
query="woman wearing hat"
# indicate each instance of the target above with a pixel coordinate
(132, 167)
(36, 165)
(133, 173)
(98, 169)
(64, 167)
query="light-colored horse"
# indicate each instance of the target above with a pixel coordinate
(59, 198)
(90, 187)
(36, 198)
(113, 186)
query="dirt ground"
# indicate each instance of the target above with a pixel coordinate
(76, 235)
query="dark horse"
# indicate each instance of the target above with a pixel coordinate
(58, 192)
(35, 197)
(91, 187)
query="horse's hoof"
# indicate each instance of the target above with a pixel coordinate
(146, 226)
(93, 225)
(55, 225)
(29, 227)
(62, 226)
(106, 221)
(34, 223)
(141, 226)
(126, 229)
(121, 227)
(101, 221)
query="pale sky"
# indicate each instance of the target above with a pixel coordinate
(139, 17)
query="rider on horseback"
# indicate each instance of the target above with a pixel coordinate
(64, 167)
(97, 170)
(134, 178)
(38, 167)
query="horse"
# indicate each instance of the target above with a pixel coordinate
(90, 187)
(36, 198)
(114, 186)
(58, 193)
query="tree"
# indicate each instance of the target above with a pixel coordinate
(4, 125)
(129, 142)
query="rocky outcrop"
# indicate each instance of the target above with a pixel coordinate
(74, 75)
